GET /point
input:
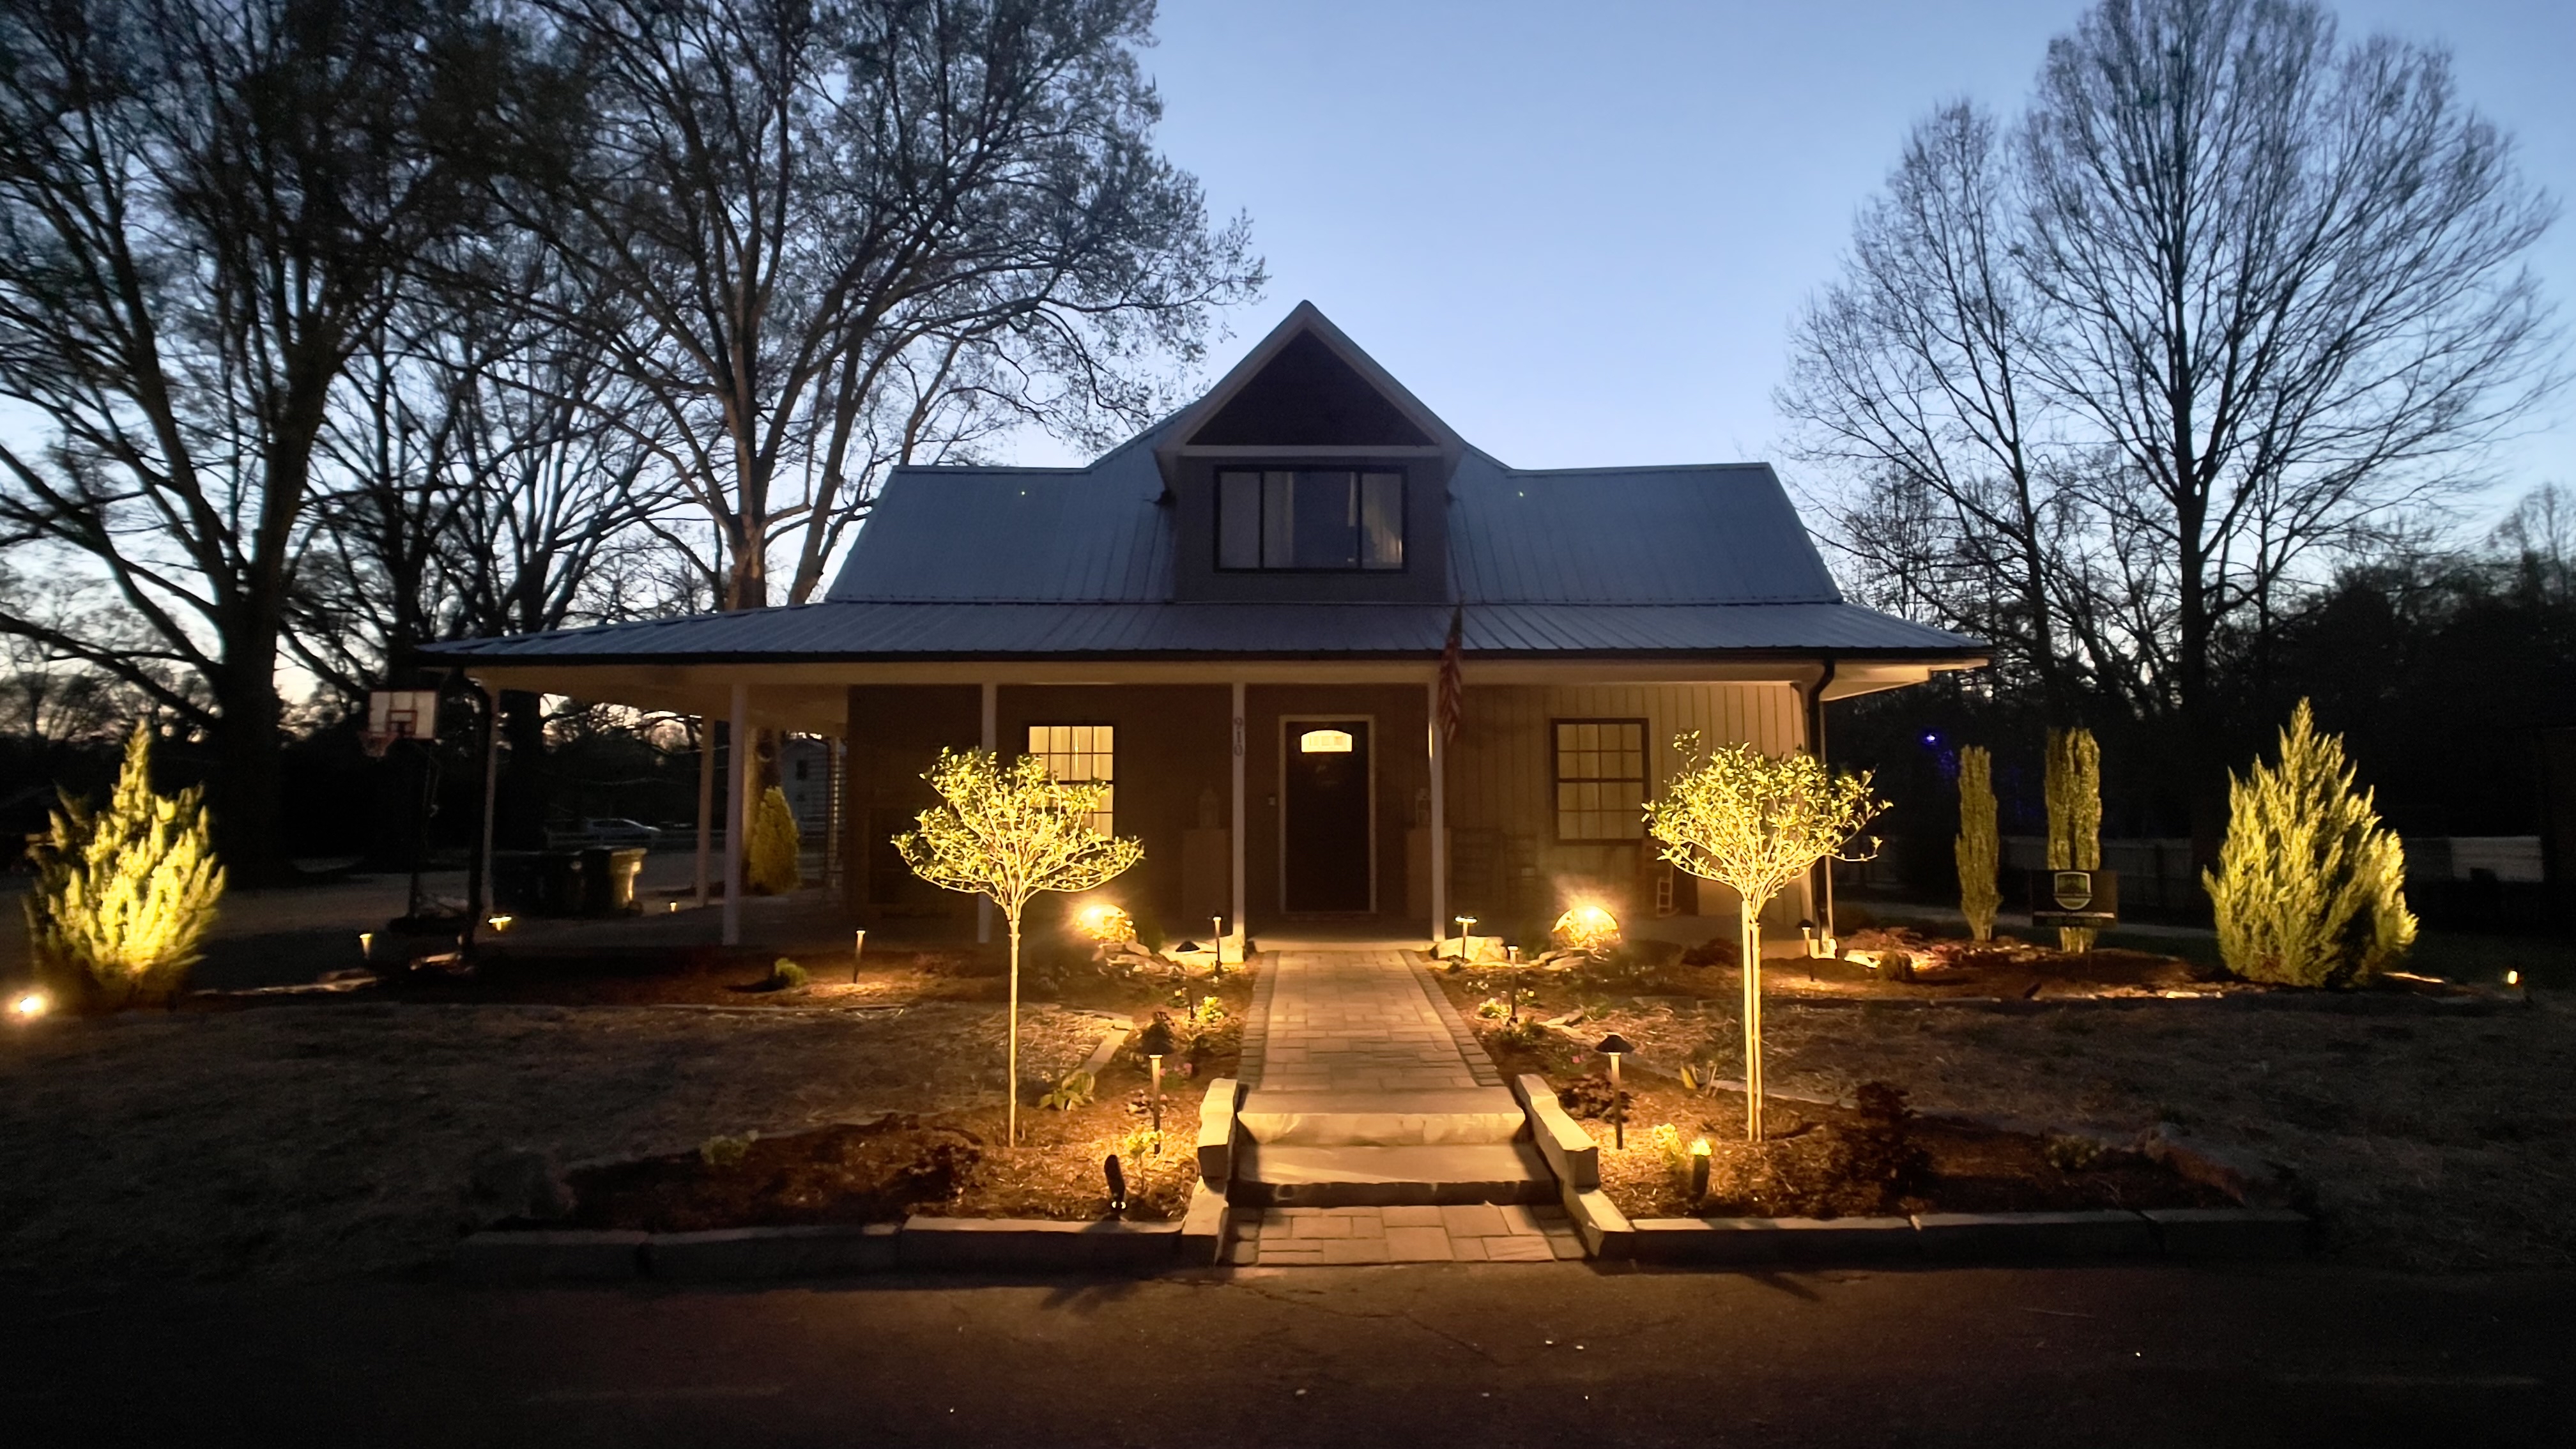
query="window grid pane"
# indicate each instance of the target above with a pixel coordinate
(1085, 753)
(1600, 779)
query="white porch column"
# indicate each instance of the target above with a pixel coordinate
(992, 741)
(1237, 826)
(706, 800)
(738, 810)
(1439, 820)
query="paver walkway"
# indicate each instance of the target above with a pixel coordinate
(1370, 1028)
(1357, 1021)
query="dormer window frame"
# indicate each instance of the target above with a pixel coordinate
(1266, 472)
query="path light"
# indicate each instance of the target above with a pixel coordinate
(1216, 967)
(858, 948)
(1155, 1041)
(1615, 1046)
(673, 907)
(1699, 1169)
(499, 923)
(366, 945)
(1117, 1177)
(31, 1005)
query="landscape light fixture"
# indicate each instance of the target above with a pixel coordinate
(858, 948)
(1155, 1041)
(1216, 967)
(366, 945)
(1615, 1046)
(499, 923)
(1699, 1169)
(30, 1005)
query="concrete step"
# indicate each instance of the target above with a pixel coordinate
(1383, 1119)
(1287, 1175)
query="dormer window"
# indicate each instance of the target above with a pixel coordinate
(1314, 519)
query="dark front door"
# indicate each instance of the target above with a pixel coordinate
(1327, 802)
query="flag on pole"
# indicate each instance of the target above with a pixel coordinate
(1453, 700)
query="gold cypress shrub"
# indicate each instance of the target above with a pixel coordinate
(775, 845)
(2074, 815)
(2310, 887)
(1977, 849)
(123, 897)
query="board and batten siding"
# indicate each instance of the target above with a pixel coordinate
(1502, 775)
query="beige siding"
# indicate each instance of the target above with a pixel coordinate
(1502, 780)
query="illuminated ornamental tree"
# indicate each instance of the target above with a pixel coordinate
(2309, 889)
(1757, 824)
(1977, 849)
(1008, 832)
(122, 898)
(2074, 785)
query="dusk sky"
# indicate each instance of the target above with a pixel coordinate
(1579, 232)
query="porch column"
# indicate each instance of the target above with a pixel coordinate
(706, 800)
(1439, 817)
(992, 742)
(1236, 827)
(738, 803)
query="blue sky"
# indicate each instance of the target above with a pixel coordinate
(1578, 231)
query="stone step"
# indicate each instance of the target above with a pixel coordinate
(1287, 1175)
(1383, 1119)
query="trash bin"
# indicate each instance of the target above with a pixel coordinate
(608, 880)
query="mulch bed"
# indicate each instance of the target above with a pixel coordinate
(1837, 1161)
(945, 1164)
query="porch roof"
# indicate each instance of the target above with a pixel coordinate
(869, 630)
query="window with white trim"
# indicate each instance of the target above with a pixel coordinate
(1084, 753)
(1310, 519)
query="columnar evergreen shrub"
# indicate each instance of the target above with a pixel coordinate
(2074, 815)
(1977, 849)
(123, 898)
(775, 844)
(2310, 887)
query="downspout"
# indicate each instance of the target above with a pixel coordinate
(1823, 885)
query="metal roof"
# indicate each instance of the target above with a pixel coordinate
(1719, 534)
(863, 630)
(969, 562)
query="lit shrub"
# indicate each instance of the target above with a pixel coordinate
(123, 898)
(775, 845)
(2310, 887)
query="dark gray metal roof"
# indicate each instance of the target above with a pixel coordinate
(1721, 534)
(867, 630)
(997, 563)
(1017, 534)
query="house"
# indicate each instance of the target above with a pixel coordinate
(1340, 667)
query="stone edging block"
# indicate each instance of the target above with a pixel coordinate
(1216, 1131)
(2230, 1232)
(530, 1258)
(2110, 1234)
(1570, 1151)
(736, 1254)
(1032, 1244)
(2006, 1237)
(522, 1260)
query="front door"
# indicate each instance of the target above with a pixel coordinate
(1326, 824)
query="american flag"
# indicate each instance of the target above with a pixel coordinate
(1453, 692)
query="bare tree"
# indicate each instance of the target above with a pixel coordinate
(2233, 300)
(857, 228)
(486, 464)
(201, 207)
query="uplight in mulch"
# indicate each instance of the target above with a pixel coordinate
(30, 1006)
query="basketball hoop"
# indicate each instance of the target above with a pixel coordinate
(399, 714)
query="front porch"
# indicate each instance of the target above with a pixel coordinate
(1358, 818)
